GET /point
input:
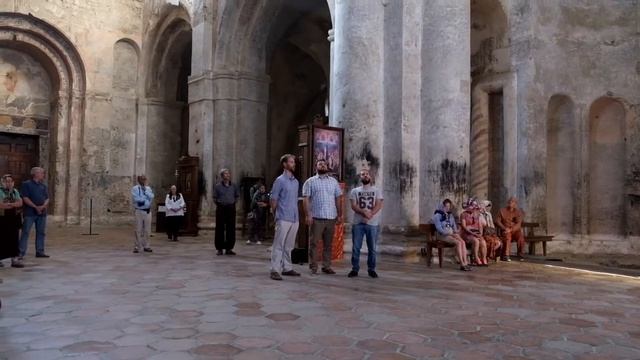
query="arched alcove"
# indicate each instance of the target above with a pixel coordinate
(299, 72)
(124, 107)
(167, 62)
(59, 137)
(607, 166)
(562, 166)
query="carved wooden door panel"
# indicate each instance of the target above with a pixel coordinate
(18, 154)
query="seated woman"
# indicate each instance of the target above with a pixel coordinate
(447, 232)
(472, 232)
(489, 231)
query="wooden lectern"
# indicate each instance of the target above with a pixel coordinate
(187, 169)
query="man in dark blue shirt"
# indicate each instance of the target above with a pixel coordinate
(36, 200)
(225, 195)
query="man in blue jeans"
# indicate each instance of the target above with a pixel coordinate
(366, 202)
(36, 200)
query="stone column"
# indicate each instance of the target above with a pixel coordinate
(201, 105)
(75, 158)
(445, 103)
(357, 85)
(58, 174)
(406, 170)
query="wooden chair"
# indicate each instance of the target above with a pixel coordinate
(432, 242)
(532, 239)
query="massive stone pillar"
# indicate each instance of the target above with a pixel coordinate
(201, 105)
(445, 103)
(358, 81)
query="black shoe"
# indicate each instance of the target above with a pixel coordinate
(42, 255)
(352, 273)
(328, 271)
(1, 264)
(219, 252)
(229, 252)
(135, 251)
(147, 250)
(275, 276)
(17, 264)
(373, 274)
(290, 273)
(175, 238)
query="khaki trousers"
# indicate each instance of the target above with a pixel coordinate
(321, 230)
(143, 229)
(283, 242)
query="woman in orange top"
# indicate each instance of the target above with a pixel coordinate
(472, 232)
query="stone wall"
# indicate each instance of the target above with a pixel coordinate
(107, 138)
(583, 51)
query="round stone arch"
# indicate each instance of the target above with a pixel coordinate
(163, 129)
(62, 139)
(250, 31)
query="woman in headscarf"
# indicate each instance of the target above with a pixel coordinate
(447, 231)
(489, 230)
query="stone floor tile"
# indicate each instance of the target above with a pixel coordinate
(254, 342)
(283, 317)
(343, 353)
(334, 340)
(422, 351)
(216, 349)
(298, 348)
(375, 345)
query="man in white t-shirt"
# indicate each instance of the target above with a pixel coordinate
(366, 202)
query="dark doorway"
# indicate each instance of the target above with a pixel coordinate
(298, 65)
(496, 149)
(182, 97)
(18, 154)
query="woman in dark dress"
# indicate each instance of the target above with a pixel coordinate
(10, 221)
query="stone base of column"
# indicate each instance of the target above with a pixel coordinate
(206, 223)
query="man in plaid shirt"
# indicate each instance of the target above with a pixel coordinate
(323, 209)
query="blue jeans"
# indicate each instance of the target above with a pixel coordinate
(358, 232)
(41, 225)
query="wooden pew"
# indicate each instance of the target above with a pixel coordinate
(432, 242)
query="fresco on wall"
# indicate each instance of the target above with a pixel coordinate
(25, 86)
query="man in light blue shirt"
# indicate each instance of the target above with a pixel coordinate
(323, 209)
(142, 197)
(284, 203)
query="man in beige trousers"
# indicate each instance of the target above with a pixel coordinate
(142, 197)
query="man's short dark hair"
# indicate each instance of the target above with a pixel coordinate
(284, 158)
(447, 201)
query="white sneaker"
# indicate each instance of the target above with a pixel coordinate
(248, 242)
(259, 243)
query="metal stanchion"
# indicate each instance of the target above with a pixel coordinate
(91, 218)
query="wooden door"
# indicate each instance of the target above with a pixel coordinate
(497, 190)
(189, 186)
(18, 154)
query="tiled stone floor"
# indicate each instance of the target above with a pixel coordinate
(94, 299)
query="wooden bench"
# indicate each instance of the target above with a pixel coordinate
(432, 242)
(532, 239)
